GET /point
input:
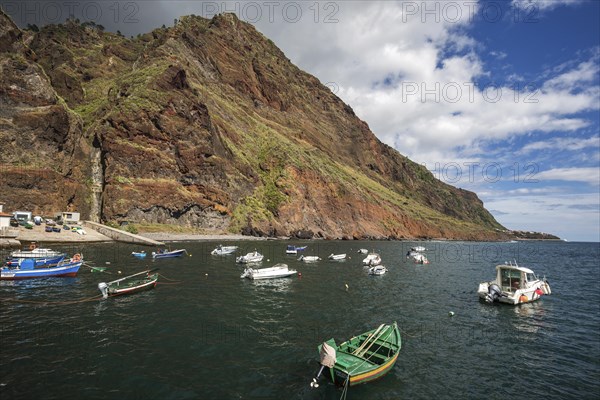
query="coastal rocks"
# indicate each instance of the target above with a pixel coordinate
(303, 234)
(192, 216)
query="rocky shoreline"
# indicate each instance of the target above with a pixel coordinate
(184, 237)
(38, 234)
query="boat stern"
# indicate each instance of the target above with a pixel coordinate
(483, 289)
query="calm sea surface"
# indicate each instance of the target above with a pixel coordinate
(204, 333)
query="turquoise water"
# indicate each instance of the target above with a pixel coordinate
(204, 333)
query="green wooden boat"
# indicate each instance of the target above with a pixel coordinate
(127, 285)
(363, 358)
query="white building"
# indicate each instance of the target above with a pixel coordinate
(22, 215)
(4, 220)
(68, 217)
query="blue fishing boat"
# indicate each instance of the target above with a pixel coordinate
(139, 254)
(291, 249)
(168, 254)
(27, 270)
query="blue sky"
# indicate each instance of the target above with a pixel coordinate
(498, 97)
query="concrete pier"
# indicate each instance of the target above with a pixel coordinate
(121, 236)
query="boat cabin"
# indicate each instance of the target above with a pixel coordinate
(512, 277)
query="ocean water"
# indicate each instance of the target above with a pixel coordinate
(204, 333)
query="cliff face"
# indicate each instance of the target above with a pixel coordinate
(209, 125)
(41, 148)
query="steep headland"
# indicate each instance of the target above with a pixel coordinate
(206, 124)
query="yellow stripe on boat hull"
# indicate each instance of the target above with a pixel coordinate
(356, 379)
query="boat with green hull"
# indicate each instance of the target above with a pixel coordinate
(127, 285)
(361, 359)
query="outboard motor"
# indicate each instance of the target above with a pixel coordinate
(104, 289)
(494, 293)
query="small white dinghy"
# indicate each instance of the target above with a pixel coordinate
(309, 258)
(337, 257)
(254, 257)
(513, 285)
(377, 270)
(276, 271)
(223, 250)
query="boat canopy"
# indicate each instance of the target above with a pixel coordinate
(514, 267)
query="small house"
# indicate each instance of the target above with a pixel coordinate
(22, 215)
(69, 217)
(5, 220)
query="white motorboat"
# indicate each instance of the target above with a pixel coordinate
(377, 270)
(223, 250)
(337, 257)
(254, 257)
(513, 285)
(363, 251)
(418, 248)
(276, 271)
(419, 258)
(35, 252)
(372, 259)
(309, 258)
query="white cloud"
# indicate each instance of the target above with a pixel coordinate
(542, 5)
(562, 144)
(499, 55)
(585, 73)
(587, 175)
(535, 191)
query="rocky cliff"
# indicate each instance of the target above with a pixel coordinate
(209, 125)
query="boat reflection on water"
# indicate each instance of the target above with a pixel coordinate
(529, 318)
(273, 285)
